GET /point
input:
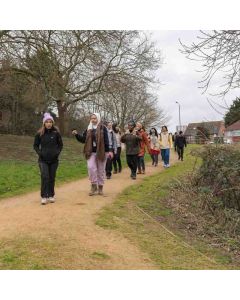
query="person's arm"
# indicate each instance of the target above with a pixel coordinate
(106, 139)
(170, 140)
(60, 142)
(36, 144)
(114, 143)
(146, 141)
(123, 138)
(81, 137)
(185, 142)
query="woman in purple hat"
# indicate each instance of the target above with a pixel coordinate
(48, 145)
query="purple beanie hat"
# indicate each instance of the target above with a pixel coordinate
(46, 117)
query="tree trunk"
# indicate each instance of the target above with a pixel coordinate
(61, 116)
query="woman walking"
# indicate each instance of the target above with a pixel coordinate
(154, 146)
(48, 145)
(117, 164)
(132, 141)
(143, 144)
(165, 145)
(96, 150)
(112, 148)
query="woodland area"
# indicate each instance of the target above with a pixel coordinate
(73, 73)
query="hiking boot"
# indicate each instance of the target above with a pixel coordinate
(44, 201)
(120, 170)
(51, 199)
(100, 190)
(139, 172)
(115, 172)
(134, 176)
(93, 190)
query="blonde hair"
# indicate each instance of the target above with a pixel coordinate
(42, 130)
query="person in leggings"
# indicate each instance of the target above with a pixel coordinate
(48, 145)
(96, 151)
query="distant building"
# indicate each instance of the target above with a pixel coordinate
(232, 132)
(205, 132)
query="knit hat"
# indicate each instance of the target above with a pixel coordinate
(46, 117)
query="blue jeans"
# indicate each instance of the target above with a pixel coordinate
(165, 155)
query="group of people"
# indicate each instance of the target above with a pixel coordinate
(102, 149)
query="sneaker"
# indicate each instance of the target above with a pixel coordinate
(167, 166)
(115, 172)
(51, 199)
(44, 201)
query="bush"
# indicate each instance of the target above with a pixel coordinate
(220, 173)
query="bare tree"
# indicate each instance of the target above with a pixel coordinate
(72, 66)
(219, 54)
(122, 101)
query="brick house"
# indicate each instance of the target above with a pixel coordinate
(232, 132)
(205, 131)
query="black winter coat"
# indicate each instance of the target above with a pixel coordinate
(180, 141)
(48, 146)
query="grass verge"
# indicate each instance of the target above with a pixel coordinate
(140, 214)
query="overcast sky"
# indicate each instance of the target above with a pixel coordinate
(181, 81)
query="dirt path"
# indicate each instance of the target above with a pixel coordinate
(69, 225)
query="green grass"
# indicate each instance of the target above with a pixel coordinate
(100, 255)
(19, 167)
(166, 250)
(22, 253)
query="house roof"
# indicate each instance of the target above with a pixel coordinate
(213, 127)
(234, 126)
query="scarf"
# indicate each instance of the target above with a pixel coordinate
(91, 126)
(99, 140)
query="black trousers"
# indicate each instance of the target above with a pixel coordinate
(154, 159)
(108, 168)
(48, 174)
(132, 161)
(180, 151)
(141, 164)
(117, 160)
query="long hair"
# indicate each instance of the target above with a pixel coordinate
(42, 130)
(114, 128)
(165, 127)
(155, 131)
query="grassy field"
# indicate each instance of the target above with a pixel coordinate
(139, 213)
(19, 168)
